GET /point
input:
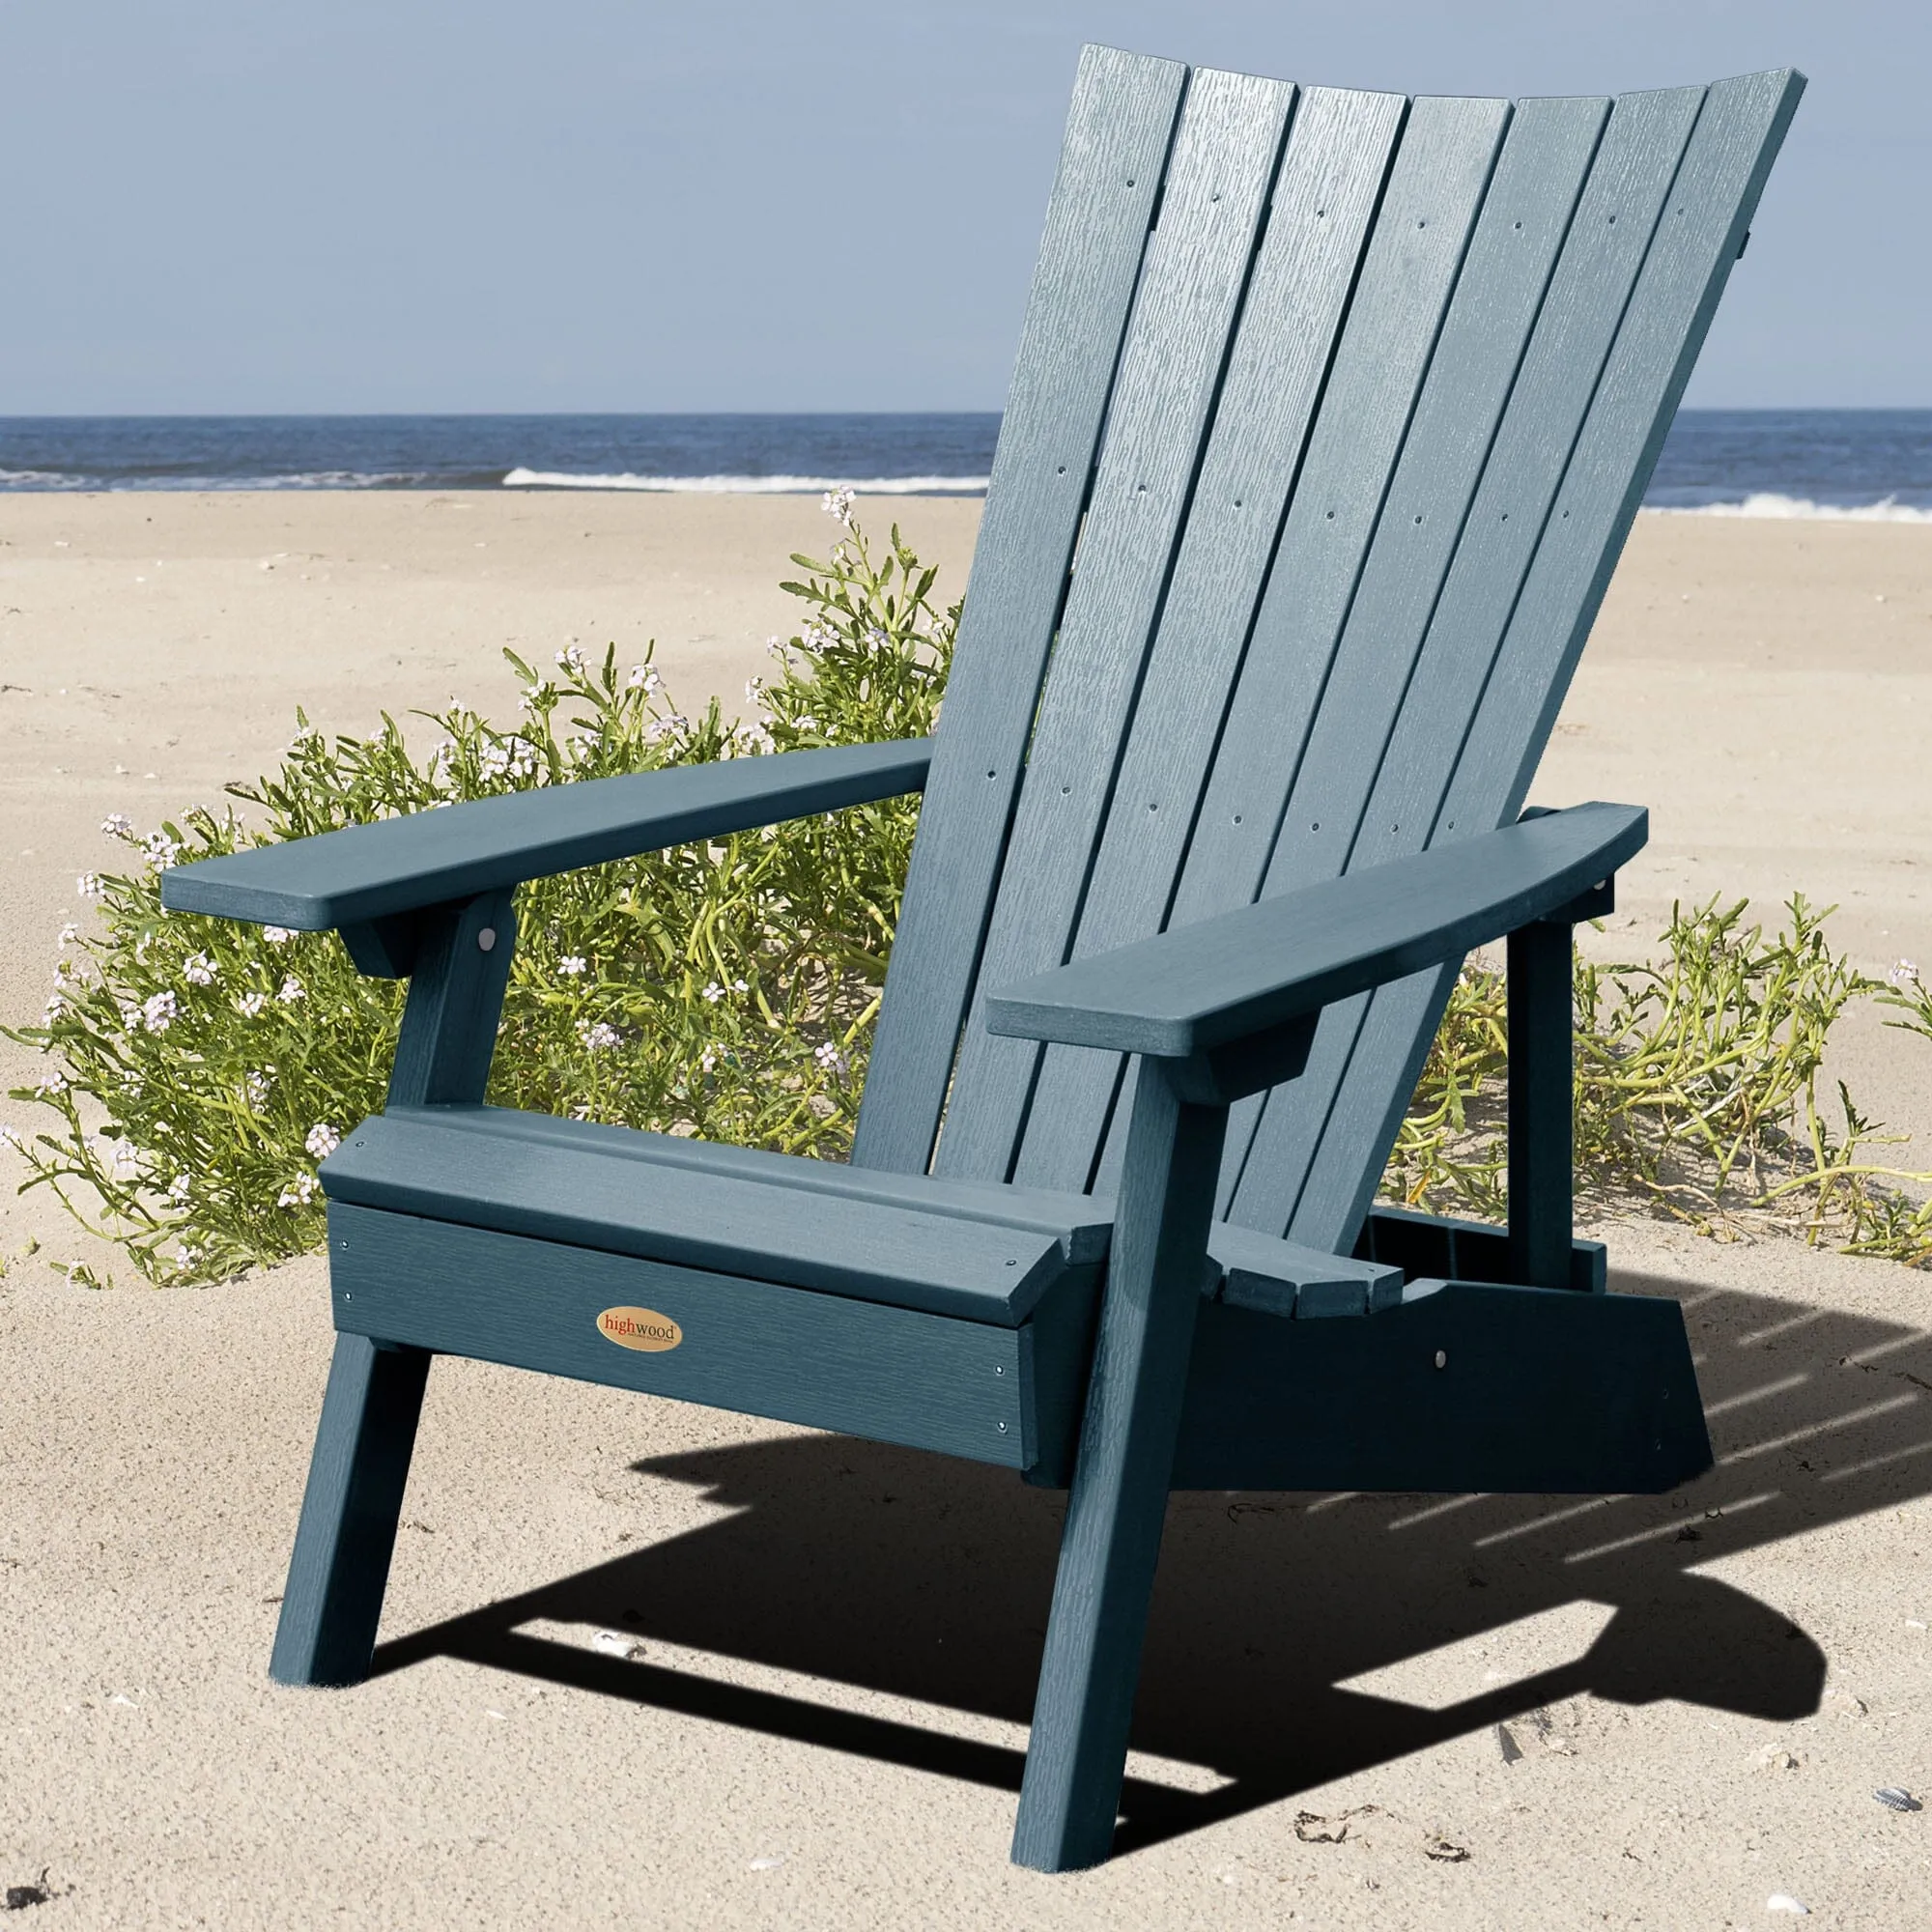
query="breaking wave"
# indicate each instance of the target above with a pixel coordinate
(1770, 503)
(750, 486)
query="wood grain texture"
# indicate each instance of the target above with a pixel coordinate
(1428, 207)
(597, 1193)
(1498, 295)
(1449, 1248)
(1115, 1511)
(1540, 1390)
(1246, 970)
(1197, 266)
(1325, 194)
(891, 1374)
(368, 872)
(332, 1602)
(455, 1004)
(1080, 1224)
(1291, 1176)
(1111, 165)
(1695, 220)
(1542, 1166)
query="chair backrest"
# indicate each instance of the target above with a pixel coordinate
(1331, 416)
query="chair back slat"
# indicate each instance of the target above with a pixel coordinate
(1428, 206)
(1196, 271)
(1481, 707)
(1325, 197)
(1112, 161)
(1391, 378)
(1573, 327)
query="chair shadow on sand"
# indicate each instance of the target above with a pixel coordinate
(924, 1578)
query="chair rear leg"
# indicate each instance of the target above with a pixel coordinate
(1078, 1750)
(347, 1534)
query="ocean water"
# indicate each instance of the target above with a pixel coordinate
(1861, 464)
(904, 455)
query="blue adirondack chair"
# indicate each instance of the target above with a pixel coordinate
(1331, 414)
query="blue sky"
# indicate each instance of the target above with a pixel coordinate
(420, 205)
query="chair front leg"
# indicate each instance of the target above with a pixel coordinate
(347, 1535)
(458, 958)
(1078, 1750)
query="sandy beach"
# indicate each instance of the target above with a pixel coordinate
(1383, 1712)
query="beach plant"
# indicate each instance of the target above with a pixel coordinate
(197, 1071)
(1697, 1090)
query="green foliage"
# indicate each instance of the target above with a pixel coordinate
(199, 1070)
(1697, 1089)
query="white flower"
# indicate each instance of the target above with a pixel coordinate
(298, 1193)
(292, 990)
(187, 1254)
(158, 1012)
(118, 825)
(572, 965)
(277, 935)
(709, 1059)
(122, 1157)
(178, 1189)
(644, 678)
(53, 1082)
(740, 987)
(1904, 974)
(571, 659)
(676, 725)
(806, 722)
(68, 933)
(755, 689)
(597, 1036)
(714, 992)
(778, 647)
(88, 885)
(829, 1057)
(322, 1140)
(198, 970)
(250, 1004)
(9, 1138)
(161, 850)
(255, 1088)
(837, 505)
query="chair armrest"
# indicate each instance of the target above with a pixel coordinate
(364, 874)
(1250, 972)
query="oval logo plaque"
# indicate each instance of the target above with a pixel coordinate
(639, 1328)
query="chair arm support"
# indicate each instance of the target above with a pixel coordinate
(1258, 971)
(366, 873)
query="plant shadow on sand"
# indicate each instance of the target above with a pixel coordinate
(916, 1577)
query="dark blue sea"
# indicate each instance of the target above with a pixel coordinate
(1861, 463)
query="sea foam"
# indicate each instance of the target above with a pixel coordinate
(1771, 504)
(751, 486)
